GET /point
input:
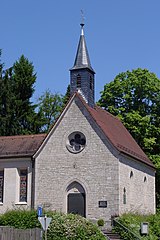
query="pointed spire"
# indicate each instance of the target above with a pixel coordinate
(82, 31)
(82, 59)
(82, 74)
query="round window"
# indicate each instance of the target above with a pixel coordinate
(76, 142)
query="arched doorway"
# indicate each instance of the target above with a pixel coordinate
(76, 199)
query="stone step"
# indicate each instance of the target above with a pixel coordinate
(111, 236)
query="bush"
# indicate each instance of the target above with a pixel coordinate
(22, 219)
(62, 226)
(100, 222)
(72, 227)
(133, 222)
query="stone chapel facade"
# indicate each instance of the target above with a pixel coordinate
(87, 164)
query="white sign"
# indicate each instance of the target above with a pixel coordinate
(45, 221)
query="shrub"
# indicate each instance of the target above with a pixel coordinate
(62, 226)
(100, 222)
(133, 222)
(72, 227)
(20, 219)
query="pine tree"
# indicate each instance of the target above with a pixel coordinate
(17, 113)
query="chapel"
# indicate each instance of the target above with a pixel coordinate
(87, 164)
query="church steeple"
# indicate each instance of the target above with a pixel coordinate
(82, 57)
(82, 73)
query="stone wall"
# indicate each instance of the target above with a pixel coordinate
(11, 190)
(139, 183)
(95, 168)
(102, 172)
(99, 170)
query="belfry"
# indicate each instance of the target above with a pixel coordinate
(82, 74)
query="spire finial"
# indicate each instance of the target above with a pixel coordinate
(82, 22)
(82, 17)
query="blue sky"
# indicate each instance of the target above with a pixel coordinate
(121, 35)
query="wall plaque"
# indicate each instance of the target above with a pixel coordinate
(102, 204)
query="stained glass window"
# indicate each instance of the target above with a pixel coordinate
(1, 185)
(76, 142)
(23, 186)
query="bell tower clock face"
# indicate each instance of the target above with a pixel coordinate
(76, 142)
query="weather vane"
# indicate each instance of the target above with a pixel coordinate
(82, 17)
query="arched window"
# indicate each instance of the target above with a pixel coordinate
(131, 174)
(124, 196)
(78, 81)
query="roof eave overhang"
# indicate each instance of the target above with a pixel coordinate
(138, 159)
(82, 67)
(15, 156)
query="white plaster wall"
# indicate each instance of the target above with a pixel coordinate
(11, 183)
(140, 194)
(95, 168)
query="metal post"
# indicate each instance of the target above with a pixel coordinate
(45, 218)
(41, 235)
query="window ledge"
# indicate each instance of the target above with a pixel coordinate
(1, 203)
(21, 203)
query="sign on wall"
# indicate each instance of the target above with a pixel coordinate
(102, 204)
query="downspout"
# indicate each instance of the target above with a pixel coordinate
(33, 183)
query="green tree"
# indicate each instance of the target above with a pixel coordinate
(1, 64)
(5, 97)
(66, 96)
(134, 96)
(24, 79)
(49, 108)
(16, 109)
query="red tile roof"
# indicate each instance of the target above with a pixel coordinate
(27, 145)
(23, 145)
(117, 134)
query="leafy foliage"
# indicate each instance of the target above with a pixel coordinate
(134, 97)
(133, 222)
(21, 219)
(1, 64)
(100, 222)
(72, 227)
(49, 108)
(18, 115)
(16, 89)
(62, 226)
(66, 96)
